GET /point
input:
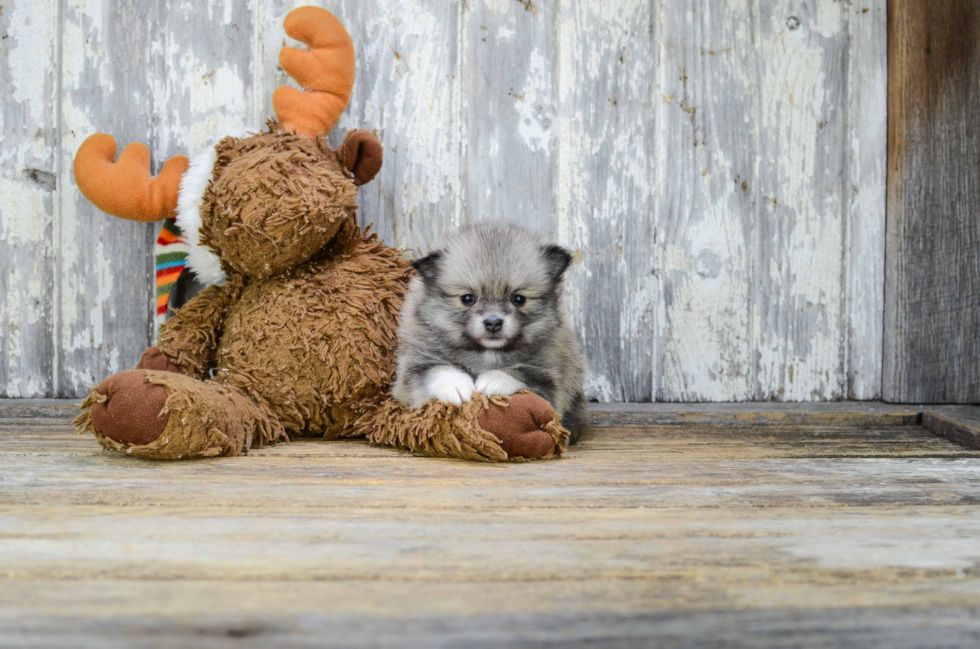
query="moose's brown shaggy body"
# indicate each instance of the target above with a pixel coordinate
(298, 334)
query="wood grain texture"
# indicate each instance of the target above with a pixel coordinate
(605, 193)
(509, 137)
(939, 627)
(28, 182)
(751, 414)
(960, 428)
(706, 200)
(840, 413)
(762, 298)
(865, 148)
(932, 288)
(797, 333)
(707, 466)
(408, 89)
(202, 83)
(750, 536)
(103, 294)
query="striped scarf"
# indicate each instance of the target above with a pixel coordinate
(171, 259)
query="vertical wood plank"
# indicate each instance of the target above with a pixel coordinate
(932, 289)
(105, 264)
(406, 90)
(202, 86)
(28, 165)
(751, 203)
(865, 149)
(202, 76)
(509, 110)
(707, 189)
(605, 175)
(798, 332)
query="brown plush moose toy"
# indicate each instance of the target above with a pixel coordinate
(296, 334)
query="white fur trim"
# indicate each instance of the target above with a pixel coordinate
(202, 261)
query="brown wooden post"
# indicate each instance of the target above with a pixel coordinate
(932, 267)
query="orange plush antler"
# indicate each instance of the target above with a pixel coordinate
(325, 71)
(125, 187)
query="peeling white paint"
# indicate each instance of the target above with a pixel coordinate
(505, 33)
(501, 7)
(25, 219)
(798, 339)
(34, 30)
(27, 191)
(598, 388)
(631, 150)
(409, 99)
(605, 191)
(16, 372)
(864, 198)
(534, 107)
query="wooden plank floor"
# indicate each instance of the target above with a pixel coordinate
(690, 533)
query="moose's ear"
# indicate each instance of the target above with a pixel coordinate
(557, 259)
(428, 266)
(361, 152)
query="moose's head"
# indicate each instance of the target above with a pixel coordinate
(262, 203)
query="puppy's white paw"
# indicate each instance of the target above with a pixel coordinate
(449, 385)
(498, 382)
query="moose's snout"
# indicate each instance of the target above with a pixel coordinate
(493, 324)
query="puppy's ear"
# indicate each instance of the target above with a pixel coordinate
(557, 260)
(428, 267)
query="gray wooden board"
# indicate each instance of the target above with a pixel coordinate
(680, 536)
(28, 182)
(797, 333)
(104, 290)
(605, 191)
(509, 104)
(866, 145)
(840, 413)
(961, 428)
(706, 200)
(932, 290)
(204, 75)
(408, 89)
(768, 254)
(624, 130)
(607, 414)
(896, 628)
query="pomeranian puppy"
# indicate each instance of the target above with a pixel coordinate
(483, 315)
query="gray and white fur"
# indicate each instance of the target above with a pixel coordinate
(483, 315)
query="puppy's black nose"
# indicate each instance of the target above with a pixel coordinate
(493, 324)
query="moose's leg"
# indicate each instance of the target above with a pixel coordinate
(522, 426)
(170, 416)
(154, 359)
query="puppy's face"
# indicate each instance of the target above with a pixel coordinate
(493, 288)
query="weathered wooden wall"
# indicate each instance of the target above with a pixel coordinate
(932, 319)
(718, 167)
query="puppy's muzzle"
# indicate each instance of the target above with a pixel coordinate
(493, 324)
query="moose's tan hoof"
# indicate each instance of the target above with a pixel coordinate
(132, 414)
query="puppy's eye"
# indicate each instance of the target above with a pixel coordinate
(518, 300)
(469, 299)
